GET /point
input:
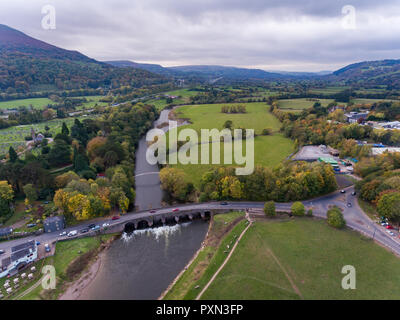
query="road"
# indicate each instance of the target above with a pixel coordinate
(354, 216)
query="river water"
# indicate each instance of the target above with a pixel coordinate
(142, 265)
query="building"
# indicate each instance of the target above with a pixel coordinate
(378, 151)
(313, 153)
(5, 232)
(354, 117)
(17, 258)
(54, 224)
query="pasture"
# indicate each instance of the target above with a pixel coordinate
(37, 103)
(268, 150)
(301, 104)
(303, 259)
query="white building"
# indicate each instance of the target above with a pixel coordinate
(17, 258)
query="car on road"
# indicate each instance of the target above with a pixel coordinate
(47, 247)
(354, 193)
(63, 233)
(95, 228)
(105, 224)
(153, 211)
(175, 210)
(2, 252)
(342, 191)
(224, 203)
(389, 227)
(115, 218)
(349, 205)
(91, 226)
(72, 233)
(84, 230)
(383, 224)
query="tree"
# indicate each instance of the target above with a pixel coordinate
(298, 209)
(335, 218)
(6, 191)
(389, 206)
(174, 182)
(60, 153)
(269, 209)
(228, 124)
(30, 193)
(64, 129)
(13, 155)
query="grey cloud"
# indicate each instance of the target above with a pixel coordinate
(298, 35)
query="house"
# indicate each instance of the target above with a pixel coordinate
(4, 232)
(37, 138)
(354, 117)
(17, 258)
(54, 224)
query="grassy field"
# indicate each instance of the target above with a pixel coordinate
(15, 136)
(303, 259)
(370, 101)
(300, 104)
(183, 94)
(268, 150)
(66, 253)
(92, 101)
(328, 90)
(210, 257)
(37, 103)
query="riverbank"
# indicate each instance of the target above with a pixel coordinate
(218, 235)
(74, 289)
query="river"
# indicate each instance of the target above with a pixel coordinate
(142, 265)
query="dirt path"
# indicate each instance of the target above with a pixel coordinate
(227, 258)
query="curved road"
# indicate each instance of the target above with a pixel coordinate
(355, 218)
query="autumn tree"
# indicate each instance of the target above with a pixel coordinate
(269, 209)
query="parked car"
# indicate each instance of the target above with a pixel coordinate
(153, 211)
(63, 233)
(175, 210)
(37, 243)
(91, 226)
(72, 233)
(224, 203)
(349, 205)
(95, 228)
(115, 218)
(389, 227)
(354, 193)
(390, 232)
(31, 225)
(47, 247)
(2, 251)
(84, 230)
(105, 224)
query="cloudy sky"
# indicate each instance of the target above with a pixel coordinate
(297, 35)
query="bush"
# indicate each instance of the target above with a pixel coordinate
(88, 174)
(298, 209)
(266, 132)
(335, 218)
(269, 209)
(309, 212)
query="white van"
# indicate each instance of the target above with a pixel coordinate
(72, 233)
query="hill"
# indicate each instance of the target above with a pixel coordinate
(381, 72)
(27, 64)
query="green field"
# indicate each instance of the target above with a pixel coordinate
(301, 104)
(15, 136)
(183, 94)
(370, 101)
(303, 259)
(37, 103)
(328, 90)
(268, 150)
(92, 101)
